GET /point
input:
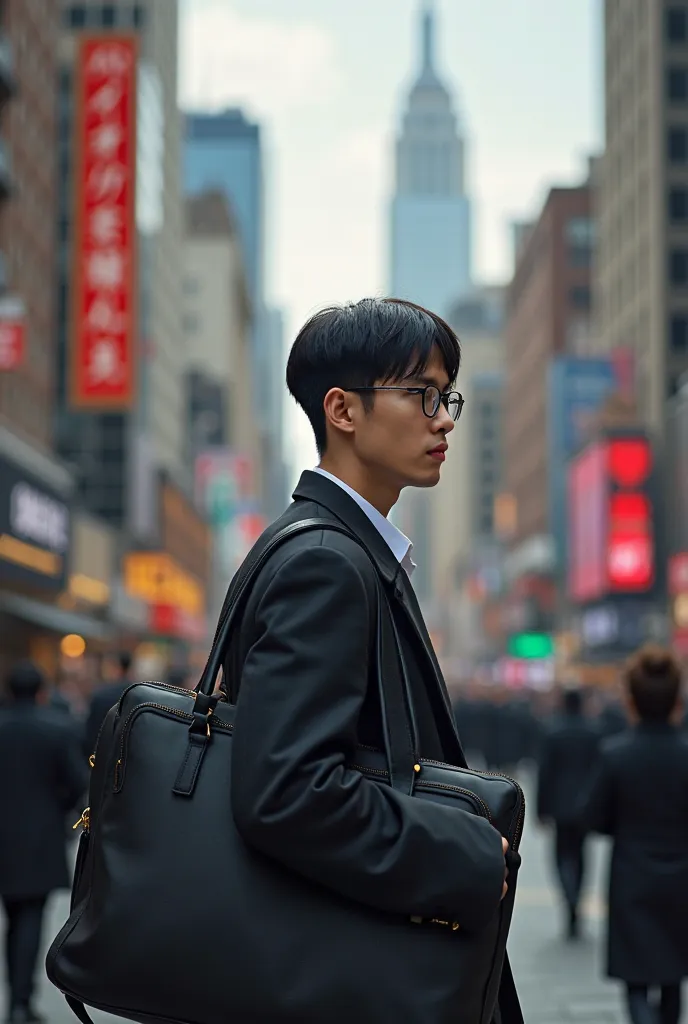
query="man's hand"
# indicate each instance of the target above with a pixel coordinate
(505, 847)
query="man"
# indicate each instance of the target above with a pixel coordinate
(42, 776)
(375, 380)
(103, 699)
(568, 755)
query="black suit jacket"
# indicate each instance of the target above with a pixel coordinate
(42, 776)
(568, 753)
(303, 664)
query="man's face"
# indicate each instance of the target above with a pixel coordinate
(396, 441)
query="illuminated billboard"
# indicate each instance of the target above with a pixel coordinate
(611, 544)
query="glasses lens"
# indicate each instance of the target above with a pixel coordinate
(431, 400)
(454, 405)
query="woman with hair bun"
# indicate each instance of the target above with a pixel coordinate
(640, 797)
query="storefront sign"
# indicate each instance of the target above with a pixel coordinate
(35, 529)
(156, 578)
(103, 351)
(12, 333)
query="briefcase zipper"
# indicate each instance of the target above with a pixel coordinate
(434, 785)
(84, 821)
(217, 722)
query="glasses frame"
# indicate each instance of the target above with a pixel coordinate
(442, 399)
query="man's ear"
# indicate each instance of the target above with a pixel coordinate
(339, 407)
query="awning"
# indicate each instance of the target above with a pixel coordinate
(56, 619)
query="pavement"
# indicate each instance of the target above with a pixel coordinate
(558, 981)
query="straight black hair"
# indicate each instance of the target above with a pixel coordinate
(363, 343)
(25, 681)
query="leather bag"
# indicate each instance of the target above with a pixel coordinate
(173, 919)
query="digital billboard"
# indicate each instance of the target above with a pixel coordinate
(611, 548)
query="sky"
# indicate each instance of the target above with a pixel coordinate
(327, 80)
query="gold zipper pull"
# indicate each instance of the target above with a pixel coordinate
(92, 760)
(84, 821)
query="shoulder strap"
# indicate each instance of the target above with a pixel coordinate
(397, 714)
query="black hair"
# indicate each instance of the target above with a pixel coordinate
(125, 659)
(653, 679)
(25, 681)
(363, 343)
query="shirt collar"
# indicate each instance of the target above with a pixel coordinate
(399, 544)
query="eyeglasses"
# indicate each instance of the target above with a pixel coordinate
(452, 401)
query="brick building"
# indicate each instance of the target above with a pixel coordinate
(548, 313)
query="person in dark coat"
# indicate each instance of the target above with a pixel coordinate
(568, 749)
(103, 699)
(375, 379)
(639, 796)
(42, 775)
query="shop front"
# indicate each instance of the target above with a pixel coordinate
(36, 544)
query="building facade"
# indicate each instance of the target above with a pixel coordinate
(431, 214)
(217, 323)
(224, 152)
(642, 261)
(548, 314)
(28, 172)
(118, 451)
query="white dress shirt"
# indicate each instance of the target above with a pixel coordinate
(398, 543)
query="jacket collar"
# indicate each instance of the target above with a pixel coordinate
(317, 488)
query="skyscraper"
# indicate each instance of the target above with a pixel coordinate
(431, 214)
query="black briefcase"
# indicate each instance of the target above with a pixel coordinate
(174, 919)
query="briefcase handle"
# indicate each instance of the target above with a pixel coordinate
(398, 726)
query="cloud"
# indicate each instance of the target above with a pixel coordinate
(273, 67)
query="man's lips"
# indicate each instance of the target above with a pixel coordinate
(439, 452)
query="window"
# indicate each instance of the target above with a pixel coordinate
(190, 323)
(677, 24)
(678, 145)
(678, 204)
(76, 17)
(679, 332)
(579, 297)
(191, 285)
(109, 16)
(677, 85)
(139, 16)
(580, 240)
(678, 266)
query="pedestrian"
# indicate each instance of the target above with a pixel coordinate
(639, 796)
(375, 380)
(567, 753)
(42, 776)
(104, 698)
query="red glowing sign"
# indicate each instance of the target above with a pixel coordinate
(103, 341)
(612, 546)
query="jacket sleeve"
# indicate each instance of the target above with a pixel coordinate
(294, 798)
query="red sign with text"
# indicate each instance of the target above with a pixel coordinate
(103, 356)
(11, 344)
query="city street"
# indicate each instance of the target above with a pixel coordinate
(557, 981)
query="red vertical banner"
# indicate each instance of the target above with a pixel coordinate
(103, 343)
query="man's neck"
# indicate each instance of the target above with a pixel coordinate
(380, 497)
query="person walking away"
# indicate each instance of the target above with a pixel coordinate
(567, 754)
(42, 775)
(103, 699)
(639, 796)
(376, 381)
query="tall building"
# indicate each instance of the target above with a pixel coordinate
(224, 152)
(217, 324)
(548, 314)
(642, 264)
(28, 172)
(431, 213)
(116, 451)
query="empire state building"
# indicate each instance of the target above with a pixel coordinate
(431, 215)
